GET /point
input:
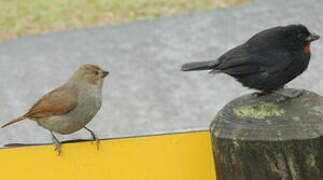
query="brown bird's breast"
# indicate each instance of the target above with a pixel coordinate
(89, 103)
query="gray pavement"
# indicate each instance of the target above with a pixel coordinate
(145, 92)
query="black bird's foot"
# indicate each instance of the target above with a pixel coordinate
(259, 94)
(57, 143)
(94, 137)
(287, 94)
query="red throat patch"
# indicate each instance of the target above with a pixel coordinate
(306, 49)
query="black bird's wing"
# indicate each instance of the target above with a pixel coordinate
(240, 61)
(275, 61)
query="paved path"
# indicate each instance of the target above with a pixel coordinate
(146, 93)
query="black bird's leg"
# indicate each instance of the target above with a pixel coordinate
(57, 143)
(262, 93)
(287, 93)
(94, 137)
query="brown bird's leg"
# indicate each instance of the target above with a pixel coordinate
(94, 137)
(57, 143)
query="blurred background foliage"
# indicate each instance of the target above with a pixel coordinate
(20, 18)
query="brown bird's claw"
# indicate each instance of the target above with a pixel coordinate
(97, 141)
(56, 143)
(97, 144)
(58, 148)
(94, 137)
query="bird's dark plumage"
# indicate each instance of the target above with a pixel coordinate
(196, 66)
(267, 61)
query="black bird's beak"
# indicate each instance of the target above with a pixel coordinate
(105, 73)
(312, 37)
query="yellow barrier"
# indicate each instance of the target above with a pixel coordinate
(186, 156)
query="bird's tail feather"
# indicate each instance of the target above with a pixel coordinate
(14, 121)
(198, 66)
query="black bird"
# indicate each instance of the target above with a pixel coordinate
(267, 61)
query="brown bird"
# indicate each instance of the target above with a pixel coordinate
(71, 106)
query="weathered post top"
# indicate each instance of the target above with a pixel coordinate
(262, 138)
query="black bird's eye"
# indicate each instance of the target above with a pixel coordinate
(301, 36)
(96, 73)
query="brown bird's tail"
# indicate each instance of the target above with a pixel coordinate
(14, 121)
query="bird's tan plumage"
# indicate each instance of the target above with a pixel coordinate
(57, 102)
(13, 121)
(70, 107)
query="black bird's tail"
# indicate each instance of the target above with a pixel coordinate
(198, 66)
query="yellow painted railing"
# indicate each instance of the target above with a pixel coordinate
(185, 156)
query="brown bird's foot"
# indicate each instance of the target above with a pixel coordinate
(286, 94)
(94, 137)
(57, 143)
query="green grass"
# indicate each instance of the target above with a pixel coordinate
(26, 17)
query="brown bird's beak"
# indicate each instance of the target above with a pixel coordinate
(312, 37)
(105, 73)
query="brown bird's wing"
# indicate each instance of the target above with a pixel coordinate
(59, 101)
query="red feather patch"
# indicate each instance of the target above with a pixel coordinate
(307, 48)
